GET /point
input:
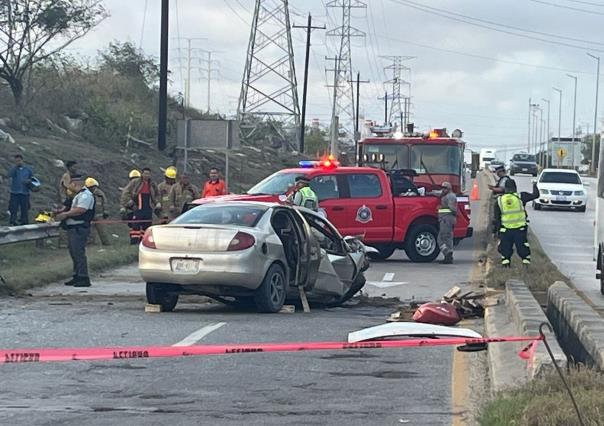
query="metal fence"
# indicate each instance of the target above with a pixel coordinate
(19, 234)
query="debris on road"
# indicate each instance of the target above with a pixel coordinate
(288, 309)
(437, 313)
(152, 308)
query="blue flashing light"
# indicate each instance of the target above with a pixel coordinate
(307, 164)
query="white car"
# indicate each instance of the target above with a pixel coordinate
(561, 188)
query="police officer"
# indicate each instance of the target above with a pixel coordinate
(502, 178)
(76, 220)
(303, 195)
(447, 216)
(511, 214)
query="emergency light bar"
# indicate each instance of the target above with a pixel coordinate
(328, 162)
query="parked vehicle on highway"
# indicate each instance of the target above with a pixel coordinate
(250, 252)
(388, 209)
(494, 164)
(561, 188)
(523, 164)
(486, 156)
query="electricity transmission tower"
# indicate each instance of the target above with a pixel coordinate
(399, 113)
(343, 106)
(269, 91)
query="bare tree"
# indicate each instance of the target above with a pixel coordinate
(34, 30)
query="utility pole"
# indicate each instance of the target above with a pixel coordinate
(559, 117)
(574, 121)
(357, 134)
(593, 142)
(539, 146)
(309, 29)
(547, 149)
(530, 130)
(191, 54)
(396, 109)
(162, 119)
(209, 70)
(334, 118)
(385, 99)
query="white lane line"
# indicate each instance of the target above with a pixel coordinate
(196, 336)
(386, 284)
(578, 262)
(388, 276)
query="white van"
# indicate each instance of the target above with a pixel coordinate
(486, 156)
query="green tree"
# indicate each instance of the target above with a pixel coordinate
(128, 61)
(315, 143)
(586, 149)
(34, 30)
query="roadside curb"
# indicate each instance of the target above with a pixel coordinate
(580, 327)
(527, 315)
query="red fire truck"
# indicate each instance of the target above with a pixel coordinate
(387, 208)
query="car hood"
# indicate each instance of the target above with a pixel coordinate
(560, 186)
(238, 197)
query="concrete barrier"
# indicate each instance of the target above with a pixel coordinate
(580, 328)
(527, 315)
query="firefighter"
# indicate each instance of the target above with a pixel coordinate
(447, 216)
(181, 194)
(100, 209)
(215, 186)
(511, 214)
(64, 192)
(134, 174)
(502, 178)
(303, 195)
(164, 189)
(141, 198)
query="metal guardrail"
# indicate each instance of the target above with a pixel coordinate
(19, 234)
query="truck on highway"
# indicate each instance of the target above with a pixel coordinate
(389, 209)
(486, 156)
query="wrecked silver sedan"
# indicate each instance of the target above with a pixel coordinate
(251, 252)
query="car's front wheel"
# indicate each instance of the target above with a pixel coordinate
(536, 206)
(421, 243)
(582, 209)
(270, 296)
(164, 295)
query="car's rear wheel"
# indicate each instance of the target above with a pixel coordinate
(421, 243)
(270, 296)
(164, 295)
(384, 252)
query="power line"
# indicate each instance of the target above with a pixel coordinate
(236, 13)
(477, 23)
(586, 2)
(140, 44)
(576, 9)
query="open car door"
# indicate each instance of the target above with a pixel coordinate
(310, 253)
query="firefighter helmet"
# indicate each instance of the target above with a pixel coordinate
(134, 174)
(171, 172)
(90, 182)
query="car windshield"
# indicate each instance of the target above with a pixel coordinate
(524, 157)
(220, 214)
(435, 159)
(275, 184)
(395, 156)
(560, 177)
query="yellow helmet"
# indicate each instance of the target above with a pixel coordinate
(171, 172)
(134, 174)
(90, 182)
(44, 217)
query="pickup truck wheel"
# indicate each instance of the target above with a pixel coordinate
(421, 244)
(164, 295)
(270, 296)
(384, 252)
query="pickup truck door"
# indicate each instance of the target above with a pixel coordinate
(327, 186)
(368, 206)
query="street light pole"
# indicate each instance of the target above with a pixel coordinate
(547, 148)
(559, 116)
(593, 142)
(538, 147)
(528, 149)
(574, 121)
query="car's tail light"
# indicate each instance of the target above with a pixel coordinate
(241, 241)
(148, 240)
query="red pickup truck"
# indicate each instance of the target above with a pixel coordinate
(389, 211)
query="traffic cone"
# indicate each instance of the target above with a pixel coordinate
(474, 195)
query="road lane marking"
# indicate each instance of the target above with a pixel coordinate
(386, 284)
(196, 336)
(388, 276)
(578, 262)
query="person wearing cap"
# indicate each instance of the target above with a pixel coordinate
(21, 179)
(502, 178)
(447, 216)
(303, 194)
(76, 220)
(215, 186)
(181, 194)
(100, 209)
(164, 189)
(510, 214)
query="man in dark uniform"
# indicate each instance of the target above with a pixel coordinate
(142, 197)
(510, 213)
(502, 178)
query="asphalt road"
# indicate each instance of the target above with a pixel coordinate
(568, 239)
(395, 386)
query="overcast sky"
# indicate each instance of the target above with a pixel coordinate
(463, 75)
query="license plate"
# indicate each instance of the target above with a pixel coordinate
(185, 266)
(525, 170)
(561, 198)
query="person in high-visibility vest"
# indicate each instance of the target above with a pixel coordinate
(303, 195)
(513, 220)
(447, 216)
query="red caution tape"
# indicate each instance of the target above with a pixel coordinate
(130, 352)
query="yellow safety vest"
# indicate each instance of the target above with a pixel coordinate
(513, 215)
(309, 198)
